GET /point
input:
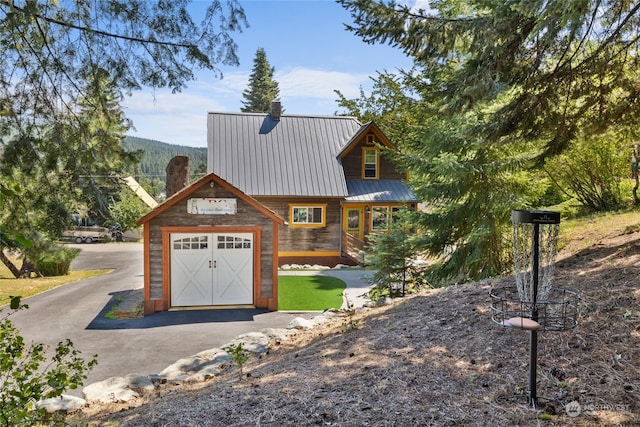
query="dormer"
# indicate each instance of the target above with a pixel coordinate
(362, 156)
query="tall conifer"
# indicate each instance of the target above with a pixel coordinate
(262, 88)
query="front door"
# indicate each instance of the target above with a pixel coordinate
(353, 222)
(211, 269)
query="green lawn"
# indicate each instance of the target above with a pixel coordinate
(308, 293)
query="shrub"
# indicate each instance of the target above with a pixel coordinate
(26, 376)
(56, 261)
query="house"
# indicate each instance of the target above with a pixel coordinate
(326, 176)
(280, 189)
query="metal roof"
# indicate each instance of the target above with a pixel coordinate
(382, 190)
(293, 156)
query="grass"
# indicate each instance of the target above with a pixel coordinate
(309, 293)
(10, 286)
(582, 232)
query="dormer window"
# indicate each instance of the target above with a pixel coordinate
(370, 161)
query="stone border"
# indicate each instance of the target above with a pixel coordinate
(197, 368)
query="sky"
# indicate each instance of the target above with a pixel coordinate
(311, 52)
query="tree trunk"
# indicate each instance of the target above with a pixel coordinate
(7, 262)
(28, 268)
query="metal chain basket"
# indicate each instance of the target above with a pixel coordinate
(532, 303)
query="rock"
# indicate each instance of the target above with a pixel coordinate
(187, 364)
(118, 389)
(216, 355)
(206, 362)
(64, 403)
(254, 342)
(301, 323)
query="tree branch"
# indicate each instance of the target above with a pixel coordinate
(99, 32)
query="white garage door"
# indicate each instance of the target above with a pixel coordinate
(211, 269)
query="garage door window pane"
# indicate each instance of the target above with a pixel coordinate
(232, 242)
(197, 242)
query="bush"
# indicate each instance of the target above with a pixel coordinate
(56, 261)
(393, 255)
(27, 376)
(592, 171)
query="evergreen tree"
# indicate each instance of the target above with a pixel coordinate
(497, 88)
(56, 138)
(565, 65)
(262, 88)
(99, 158)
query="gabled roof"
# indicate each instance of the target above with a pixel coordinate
(381, 190)
(206, 180)
(366, 128)
(294, 156)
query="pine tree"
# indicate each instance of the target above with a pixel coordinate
(50, 50)
(99, 158)
(262, 88)
(498, 88)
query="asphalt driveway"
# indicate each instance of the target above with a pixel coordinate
(142, 346)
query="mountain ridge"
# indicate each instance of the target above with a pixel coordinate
(157, 154)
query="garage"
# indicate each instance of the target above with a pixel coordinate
(211, 269)
(210, 246)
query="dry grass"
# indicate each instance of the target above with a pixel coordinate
(10, 286)
(436, 359)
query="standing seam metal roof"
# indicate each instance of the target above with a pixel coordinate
(293, 156)
(382, 190)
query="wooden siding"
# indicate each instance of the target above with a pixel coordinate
(307, 239)
(352, 164)
(177, 216)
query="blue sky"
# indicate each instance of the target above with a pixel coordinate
(313, 55)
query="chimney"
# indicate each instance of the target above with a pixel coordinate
(177, 175)
(276, 110)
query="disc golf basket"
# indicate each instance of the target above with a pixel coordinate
(533, 304)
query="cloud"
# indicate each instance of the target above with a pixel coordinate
(416, 5)
(310, 83)
(182, 118)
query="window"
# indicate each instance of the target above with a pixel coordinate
(231, 242)
(380, 218)
(195, 242)
(310, 216)
(371, 139)
(383, 217)
(370, 164)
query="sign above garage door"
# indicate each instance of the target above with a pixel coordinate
(204, 206)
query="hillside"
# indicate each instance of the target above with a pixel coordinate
(158, 154)
(436, 359)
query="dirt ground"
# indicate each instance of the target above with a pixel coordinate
(437, 359)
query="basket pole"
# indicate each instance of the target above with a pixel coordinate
(533, 346)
